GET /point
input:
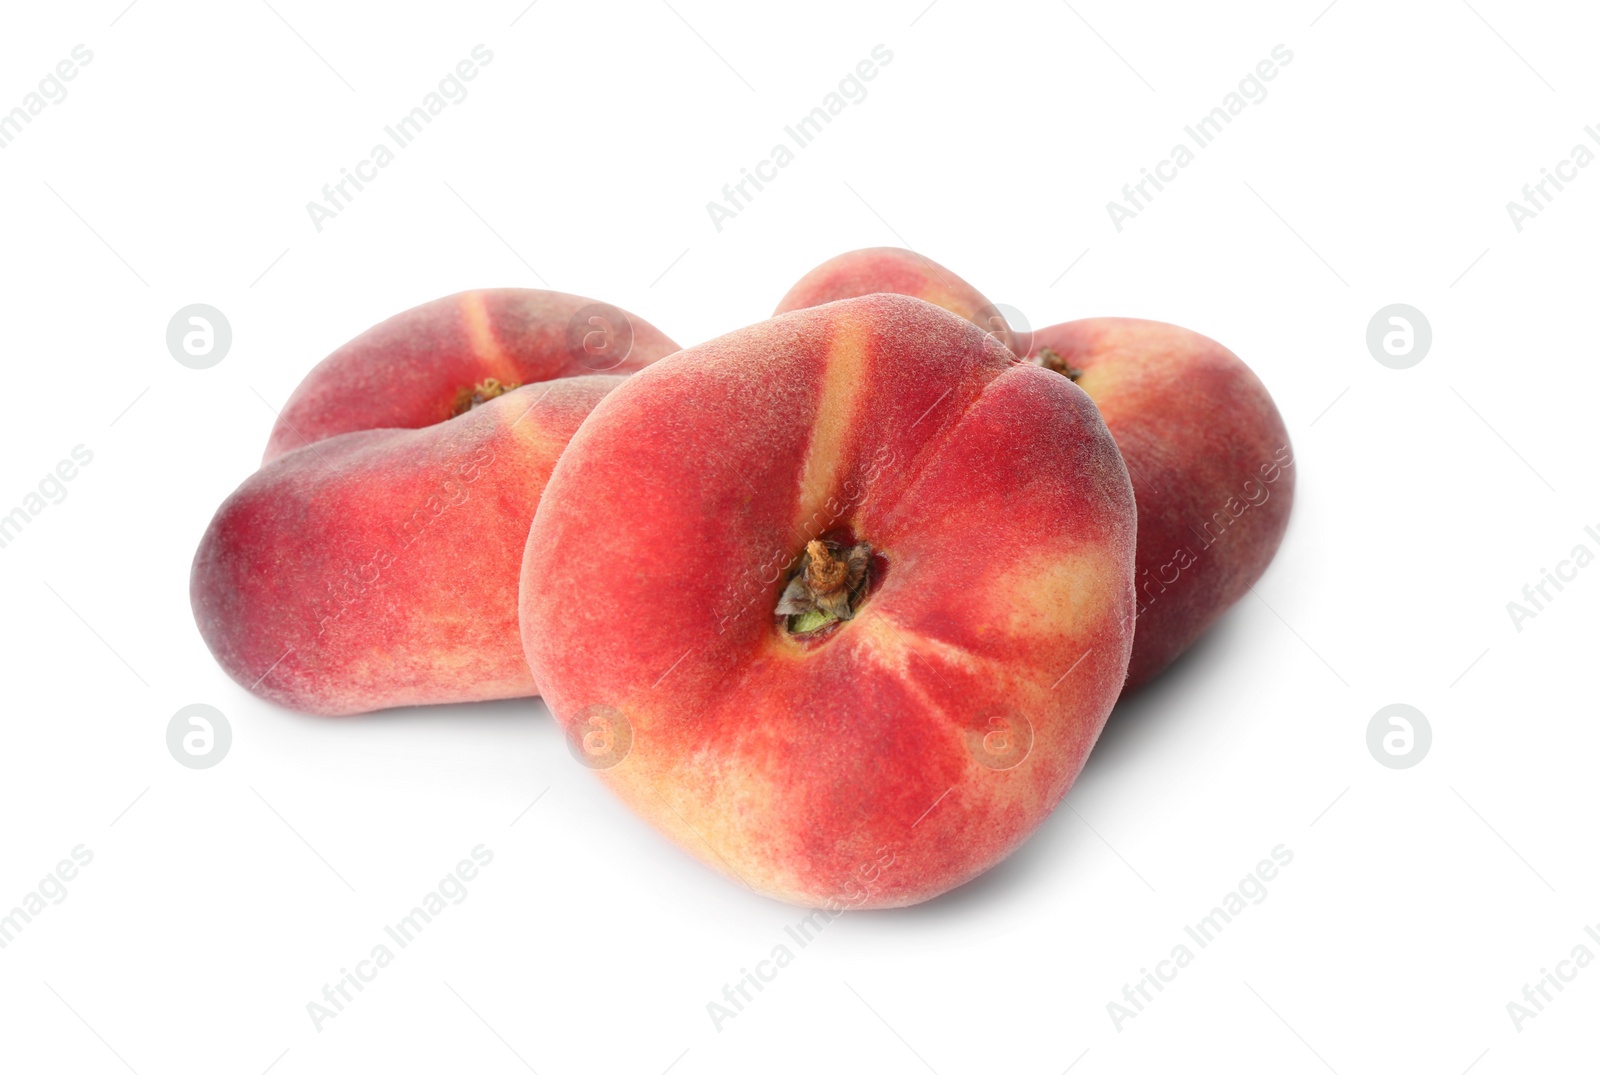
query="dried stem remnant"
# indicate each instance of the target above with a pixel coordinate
(827, 586)
(1050, 360)
(470, 398)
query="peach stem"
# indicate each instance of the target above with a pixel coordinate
(827, 588)
(1053, 361)
(825, 575)
(480, 393)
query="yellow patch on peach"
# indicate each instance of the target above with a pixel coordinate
(1079, 588)
(480, 334)
(673, 799)
(546, 447)
(842, 383)
(895, 649)
(1099, 383)
(876, 636)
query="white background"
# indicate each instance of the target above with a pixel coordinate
(1419, 902)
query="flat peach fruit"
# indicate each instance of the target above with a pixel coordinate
(420, 367)
(373, 560)
(896, 271)
(1207, 450)
(1212, 468)
(839, 601)
(379, 568)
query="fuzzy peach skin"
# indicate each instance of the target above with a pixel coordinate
(379, 568)
(1212, 469)
(407, 372)
(896, 271)
(1210, 458)
(895, 754)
